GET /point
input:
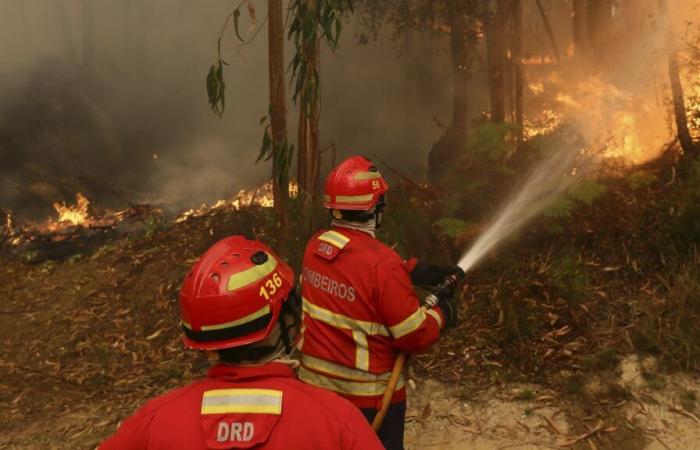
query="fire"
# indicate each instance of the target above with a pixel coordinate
(74, 215)
(261, 196)
(616, 122)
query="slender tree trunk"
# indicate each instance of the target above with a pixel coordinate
(517, 61)
(88, 35)
(496, 39)
(308, 157)
(71, 53)
(278, 123)
(600, 27)
(680, 113)
(460, 65)
(580, 30)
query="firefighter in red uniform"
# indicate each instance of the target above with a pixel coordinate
(239, 301)
(359, 306)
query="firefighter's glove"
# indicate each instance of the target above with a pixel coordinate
(426, 274)
(448, 306)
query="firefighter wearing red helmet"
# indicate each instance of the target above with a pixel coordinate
(239, 301)
(359, 306)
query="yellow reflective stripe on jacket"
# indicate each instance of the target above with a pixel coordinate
(226, 401)
(249, 318)
(340, 371)
(435, 315)
(368, 176)
(333, 237)
(357, 388)
(341, 321)
(248, 276)
(410, 324)
(353, 198)
(361, 350)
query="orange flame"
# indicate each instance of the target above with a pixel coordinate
(76, 215)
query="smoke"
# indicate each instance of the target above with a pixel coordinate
(136, 127)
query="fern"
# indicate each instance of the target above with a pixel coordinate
(560, 208)
(451, 227)
(586, 191)
(640, 179)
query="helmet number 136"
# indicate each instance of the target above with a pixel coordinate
(270, 286)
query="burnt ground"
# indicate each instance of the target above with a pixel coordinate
(87, 340)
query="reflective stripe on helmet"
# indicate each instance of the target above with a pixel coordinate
(354, 198)
(248, 276)
(340, 371)
(410, 324)
(333, 237)
(234, 323)
(357, 388)
(341, 321)
(226, 401)
(368, 176)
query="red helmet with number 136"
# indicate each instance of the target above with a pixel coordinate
(233, 295)
(355, 184)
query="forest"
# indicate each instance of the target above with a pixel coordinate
(550, 148)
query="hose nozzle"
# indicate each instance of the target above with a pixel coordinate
(444, 288)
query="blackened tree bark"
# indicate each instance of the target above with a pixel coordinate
(278, 122)
(680, 112)
(580, 27)
(517, 62)
(71, 53)
(600, 23)
(460, 64)
(496, 46)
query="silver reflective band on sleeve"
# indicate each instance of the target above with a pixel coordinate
(435, 315)
(356, 388)
(410, 324)
(227, 401)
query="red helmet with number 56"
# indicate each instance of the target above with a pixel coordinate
(355, 184)
(233, 295)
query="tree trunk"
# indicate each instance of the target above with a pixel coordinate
(517, 61)
(88, 36)
(496, 38)
(308, 157)
(579, 19)
(600, 27)
(71, 53)
(460, 65)
(278, 123)
(680, 113)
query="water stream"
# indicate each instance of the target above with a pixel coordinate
(545, 184)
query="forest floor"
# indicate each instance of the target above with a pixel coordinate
(87, 340)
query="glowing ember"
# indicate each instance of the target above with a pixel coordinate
(73, 215)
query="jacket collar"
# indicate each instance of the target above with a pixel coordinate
(228, 372)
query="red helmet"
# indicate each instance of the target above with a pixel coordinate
(233, 295)
(354, 184)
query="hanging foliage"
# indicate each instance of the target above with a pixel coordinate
(312, 21)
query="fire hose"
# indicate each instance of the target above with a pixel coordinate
(430, 301)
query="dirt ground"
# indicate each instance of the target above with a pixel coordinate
(87, 340)
(521, 416)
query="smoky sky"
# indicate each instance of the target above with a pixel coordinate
(134, 124)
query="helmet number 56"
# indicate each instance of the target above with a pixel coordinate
(270, 286)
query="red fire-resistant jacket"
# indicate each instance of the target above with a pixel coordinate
(360, 310)
(260, 407)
